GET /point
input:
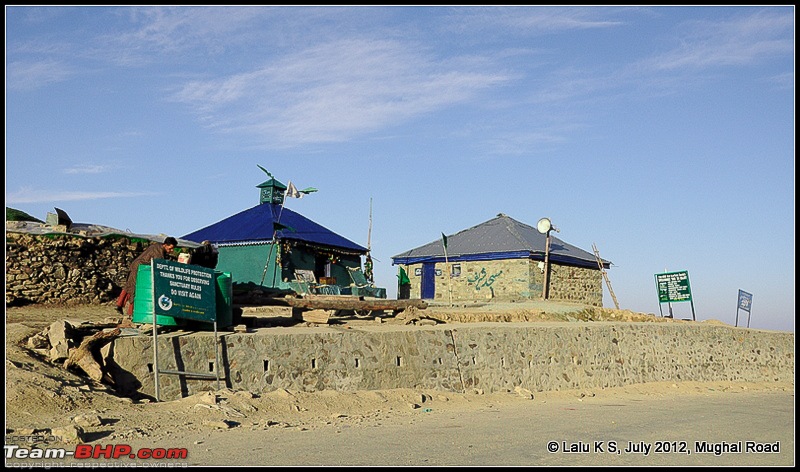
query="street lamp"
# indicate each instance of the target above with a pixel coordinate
(545, 226)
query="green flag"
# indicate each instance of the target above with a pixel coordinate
(404, 280)
(444, 241)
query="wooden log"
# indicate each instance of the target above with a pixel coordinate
(352, 303)
(83, 357)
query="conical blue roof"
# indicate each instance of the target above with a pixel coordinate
(256, 225)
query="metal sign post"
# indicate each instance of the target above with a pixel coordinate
(545, 226)
(674, 287)
(546, 284)
(183, 291)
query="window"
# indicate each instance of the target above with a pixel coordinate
(455, 270)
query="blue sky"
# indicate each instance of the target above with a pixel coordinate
(664, 135)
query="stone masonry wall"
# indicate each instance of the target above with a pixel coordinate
(66, 269)
(510, 279)
(484, 356)
(575, 284)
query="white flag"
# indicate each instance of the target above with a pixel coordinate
(291, 191)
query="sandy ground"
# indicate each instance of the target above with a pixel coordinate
(47, 405)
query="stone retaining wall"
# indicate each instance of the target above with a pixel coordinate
(489, 357)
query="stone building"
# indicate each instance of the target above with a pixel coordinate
(501, 259)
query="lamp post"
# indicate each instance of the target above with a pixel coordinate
(545, 226)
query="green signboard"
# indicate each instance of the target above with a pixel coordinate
(184, 291)
(673, 287)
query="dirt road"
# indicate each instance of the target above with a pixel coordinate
(521, 434)
(632, 426)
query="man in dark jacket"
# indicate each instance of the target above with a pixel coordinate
(206, 255)
(154, 251)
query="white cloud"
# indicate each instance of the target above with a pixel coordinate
(782, 81)
(28, 195)
(22, 75)
(334, 91)
(532, 20)
(172, 30)
(740, 41)
(86, 169)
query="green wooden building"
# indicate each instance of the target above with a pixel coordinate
(274, 248)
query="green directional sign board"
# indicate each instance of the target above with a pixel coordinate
(673, 287)
(184, 291)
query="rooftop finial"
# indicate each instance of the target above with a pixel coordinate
(265, 170)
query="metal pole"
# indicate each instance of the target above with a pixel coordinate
(155, 354)
(274, 244)
(449, 276)
(269, 256)
(155, 328)
(449, 282)
(216, 351)
(669, 304)
(546, 266)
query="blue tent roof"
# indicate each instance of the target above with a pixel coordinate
(255, 226)
(501, 237)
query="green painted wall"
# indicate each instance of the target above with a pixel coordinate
(300, 259)
(339, 270)
(246, 263)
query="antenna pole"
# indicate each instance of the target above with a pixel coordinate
(368, 262)
(369, 233)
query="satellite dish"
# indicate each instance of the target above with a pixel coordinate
(544, 225)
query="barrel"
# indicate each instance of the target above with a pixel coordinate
(143, 300)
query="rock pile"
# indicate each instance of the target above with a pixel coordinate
(66, 269)
(77, 344)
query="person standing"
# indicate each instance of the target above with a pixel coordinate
(154, 251)
(206, 255)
